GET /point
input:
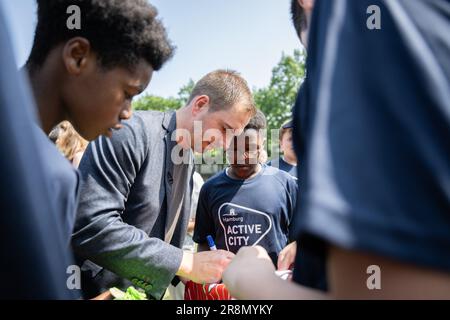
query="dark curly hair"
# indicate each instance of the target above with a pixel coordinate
(257, 122)
(298, 17)
(120, 32)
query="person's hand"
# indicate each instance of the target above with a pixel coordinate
(286, 258)
(250, 266)
(204, 267)
(183, 280)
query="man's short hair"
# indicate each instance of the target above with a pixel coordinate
(298, 18)
(225, 88)
(121, 33)
(286, 127)
(257, 122)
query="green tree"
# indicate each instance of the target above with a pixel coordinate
(157, 103)
(151, 102)
(185, 92)
(277, 99)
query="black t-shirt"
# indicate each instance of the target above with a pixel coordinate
(250, 212)
(377, 169)
(281, 164)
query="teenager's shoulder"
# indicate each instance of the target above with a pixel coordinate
(274, 162)
(219, 177)
(276, 172)
(211, 184)
(278, 175)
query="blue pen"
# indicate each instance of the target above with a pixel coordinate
(211, 244)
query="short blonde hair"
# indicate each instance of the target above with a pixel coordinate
(225, 88)
(68, 141)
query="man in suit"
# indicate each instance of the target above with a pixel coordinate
(135, 199)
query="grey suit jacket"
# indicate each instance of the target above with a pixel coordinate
(134, 201)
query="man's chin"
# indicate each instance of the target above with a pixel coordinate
(243, 166)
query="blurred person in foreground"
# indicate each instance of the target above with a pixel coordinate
(33, 250)
(361, 205)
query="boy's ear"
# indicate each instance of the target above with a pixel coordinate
(76, 53)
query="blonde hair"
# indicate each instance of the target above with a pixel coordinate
(68, 141)
(225, 88)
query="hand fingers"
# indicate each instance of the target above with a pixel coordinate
(283, 263)
(226, 254)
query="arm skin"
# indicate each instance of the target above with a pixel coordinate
(204, 267)
(185, 273)
(251, 275)
(347, 272)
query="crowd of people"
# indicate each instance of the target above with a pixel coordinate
(363, 180)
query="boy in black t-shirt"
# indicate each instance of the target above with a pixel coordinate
(287, 162)
(248, 203)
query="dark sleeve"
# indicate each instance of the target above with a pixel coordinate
(292, 190)
(109, 168)
(292, 196)
(377, 160)
(64, 187)
(204, 222)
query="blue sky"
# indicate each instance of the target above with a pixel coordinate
(244, 35)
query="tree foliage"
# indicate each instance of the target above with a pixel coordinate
(185, 91)
(151, 102)
(157, 103)
(277, 100)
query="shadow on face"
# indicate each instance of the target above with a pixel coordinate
(220, 127)
(244, 153)
(97, 100)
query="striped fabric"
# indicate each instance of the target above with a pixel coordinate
(196, 291)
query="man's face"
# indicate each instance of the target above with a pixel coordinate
(98, 99)
(245, 151)
(287, 146)
(219, 127)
